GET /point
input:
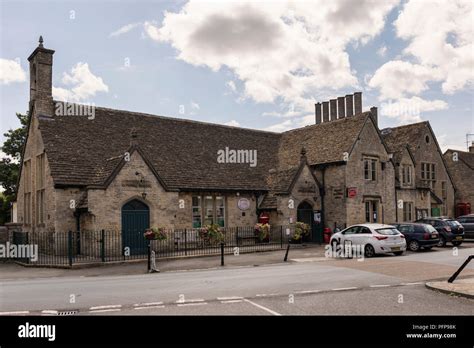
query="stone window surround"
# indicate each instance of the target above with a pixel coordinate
(372, 161)
(214, 207)
(408, 211)
(407, 177)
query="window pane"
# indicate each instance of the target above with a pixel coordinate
(366, 169)
(196, 211)
(208, 210)
(220, 211)
(367, 211)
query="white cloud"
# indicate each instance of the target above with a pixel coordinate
(408, 110)
(232, 123)
(397, 79)
(286, 51)
(382, 51)
(231, 85)
(11, 71)
(84, 84)
(440, 35)
(125, 29)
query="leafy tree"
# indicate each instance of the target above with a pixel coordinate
(10, 166)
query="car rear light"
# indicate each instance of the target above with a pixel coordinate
(381, 237)
(426, 236)
(447, 229)
(402, 236)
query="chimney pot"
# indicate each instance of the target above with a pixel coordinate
(471, 148)
(318, 112)
(349, 105)
(357, 103)
(341, 110)
(325, 111)
(333, 105)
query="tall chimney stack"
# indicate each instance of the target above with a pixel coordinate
(341, 110)
(374, 113)
(357, 102)
(318, 112)
(41, 76)
(333, 104)
(349, 105)
(325, 111)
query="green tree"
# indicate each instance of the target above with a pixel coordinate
(10, 166)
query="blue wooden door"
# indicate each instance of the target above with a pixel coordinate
(135, 220)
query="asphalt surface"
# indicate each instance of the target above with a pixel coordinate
(309, 286)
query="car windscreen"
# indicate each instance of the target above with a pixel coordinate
(453, 223)
(387, 231)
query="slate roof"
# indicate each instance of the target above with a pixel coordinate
(183, 153)
(398, 138)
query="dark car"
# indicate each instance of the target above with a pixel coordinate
(467, 221)
(418, 235)
(449, 230)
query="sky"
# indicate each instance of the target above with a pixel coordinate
(258, 64)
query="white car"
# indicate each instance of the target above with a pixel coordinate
(374, 238)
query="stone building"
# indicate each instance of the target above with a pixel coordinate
(99, 168)
(424, 186)
(461, 167)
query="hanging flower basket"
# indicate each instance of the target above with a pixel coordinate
(211, 234)
(156, 233)
(301, 230)
(262, 231)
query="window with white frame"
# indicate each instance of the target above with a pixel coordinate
(407, 211)
(208, 209)
(370, 169)
(407, 178)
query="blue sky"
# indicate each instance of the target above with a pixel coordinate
(257, 65)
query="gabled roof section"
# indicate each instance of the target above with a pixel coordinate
(467, 158)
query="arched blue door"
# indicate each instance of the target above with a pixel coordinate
(135, 220)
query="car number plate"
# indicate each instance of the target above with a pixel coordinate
(458, 237)
(433, 236)
(396, 249)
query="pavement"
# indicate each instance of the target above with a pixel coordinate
(460, 287)
(308, 284)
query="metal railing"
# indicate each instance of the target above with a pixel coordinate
(76, 247)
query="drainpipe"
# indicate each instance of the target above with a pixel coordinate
(322, 193)
(77, 215)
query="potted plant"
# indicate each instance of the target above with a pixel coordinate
(211, 233)
(262, 231)
(156, 233)
(301, 230)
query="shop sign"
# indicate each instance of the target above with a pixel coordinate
(352, 192)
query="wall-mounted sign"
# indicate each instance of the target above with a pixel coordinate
(317, 216)
(243, 204)
(351, 192)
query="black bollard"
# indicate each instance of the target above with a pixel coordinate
(286, 254)
(222, 254)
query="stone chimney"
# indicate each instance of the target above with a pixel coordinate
(341, 110)
(41, 75)
(374, 113)
(318, 112)
(357, 103)
(333, 105)
(325, 111)
(349, 105)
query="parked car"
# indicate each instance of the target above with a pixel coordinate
(418, 235)
(449, 230)
(467, 221)
(375, 238)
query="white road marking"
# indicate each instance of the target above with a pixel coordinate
(232, 301)
(105, 307)
(262, 307)
(342, 289)
(105, 310)
(265, 295)
(230, 298)
(191, 301)
(380, 286)
(14, 313)
(418, 283)
(307, 291)
(192, 304)
(48, 311)
(148, 307)
(147, 304)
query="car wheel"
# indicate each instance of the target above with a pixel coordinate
(456, 243)
(369, 251)
(442, 241)
(413, 245)
(398, 253)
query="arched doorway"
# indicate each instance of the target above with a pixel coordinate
(305, 213)
(135, 220)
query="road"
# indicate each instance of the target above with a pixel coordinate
(383, 285)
